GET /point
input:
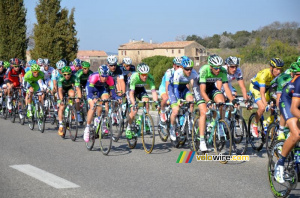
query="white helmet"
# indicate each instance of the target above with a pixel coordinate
(40, 61)
(232, 60)
(112, 60)
(143, 68)
(127, 61)
(60, 64)
(46, 61)
(215, 60)
(177, 61)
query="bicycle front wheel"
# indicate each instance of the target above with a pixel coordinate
(13, 112)
(22, 111)
(148, 134)
(40, 117)
(117, 125)
(195, 142)
(105, 135)
(90, 144)
(239, 132)
(222, 139)
(256, 140)
(271, 136)
(163, 132)
(73, 123)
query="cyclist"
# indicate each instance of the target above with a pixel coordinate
(66, 83)
(259, 88)
(163, 88)
(84, 73)
(40, 62)
(6, 64)
(48, 70)
(116, 73)
(128, 69)
(14, 76)
(137, 90)
(34, 82)
(234, 72)
(31, 62)
(178, 89)
(289, 105)
(276, 87)
(99, 85)
(76, 65)
(56, 73)
(2, 77)
(205, 90)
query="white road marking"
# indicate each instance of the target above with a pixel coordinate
(48, 178)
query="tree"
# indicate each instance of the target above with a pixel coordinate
(54, 33)
(13, 42)
(253, 53)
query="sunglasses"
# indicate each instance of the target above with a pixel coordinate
(144, 75)
(16, 66)
(77, 65)
(67, 74)
(127, 65)
(84, 68)
(216, 68)
(113, 65)
(232, 67)
(35, 72)
(188, 69)
(104, 76)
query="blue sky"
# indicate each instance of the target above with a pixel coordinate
(104, 25)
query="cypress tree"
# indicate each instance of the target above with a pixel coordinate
(13, 42)
(71, 39)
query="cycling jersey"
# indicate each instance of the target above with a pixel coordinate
(207, 77)
(262, 79)
(166, 78)
(180, 80)
(280, 81)
(117, 73)
(290, 90)
(82, 78)
(238, 75)
(47, 74)
(127, 73)
(13, 76)
(136, 82)
(67, 84)
(33, 81)
(73, 68)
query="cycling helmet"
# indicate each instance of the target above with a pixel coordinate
(103, 70)
(1, 63)
(66, 70)
(77, 62)
(215, 60)
(177, 61)
(85, 64)
(232, 60)
(298, 60)
(31, 62)
(112, 60)
(60, 64)
(127, 61)
(295, 67)
(35, 67)
(186, 62)
(65, 61)
(46, 61)
(14, 61)
(6, 64)
(40, 61)
(276, 62)
(142, 68)
(22, 62)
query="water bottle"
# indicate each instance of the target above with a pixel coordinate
(138, 120)
(265, 124)
(221, 131)
(297, 155)
(124, 108)
(181, 120)
(208, 125)
(67, 111)
(70, 102)
(96, 122)
(286, 132)
(46, 103)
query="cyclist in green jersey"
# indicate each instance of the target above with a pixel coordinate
(34, 79)
(65, 85)
(83, 74)
(137, 82)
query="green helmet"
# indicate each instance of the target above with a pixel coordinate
(35, 67)
(298, 60)
(295, 67)
(66, 69)
(6, 64)
(85, 64)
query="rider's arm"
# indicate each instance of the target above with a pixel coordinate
(219, 84)
(131, 97)
(243, 89)
(277, 99)
(228, 91)
(295, 107)
(262, 91)
(203, 92)
(60, 92)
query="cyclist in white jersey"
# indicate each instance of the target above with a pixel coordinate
(47, 70)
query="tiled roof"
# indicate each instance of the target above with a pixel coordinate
(145, 45)
(81, 53)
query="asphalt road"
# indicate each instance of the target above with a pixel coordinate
(124, 173)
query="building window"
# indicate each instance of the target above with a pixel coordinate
(178, 51)
(166, 50)
(125, 53)
(122, 52)
(138, 52)
(172, 51)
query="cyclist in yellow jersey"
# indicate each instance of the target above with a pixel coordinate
(259, 88)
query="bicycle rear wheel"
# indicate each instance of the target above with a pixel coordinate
(105, 135)
(290, 175)
(163, 132)
(256, 142)
(90, 144)
(148, 134)
(271, 136)
(239, 132)
(73, 123)
(40, 117)
(222, 139)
